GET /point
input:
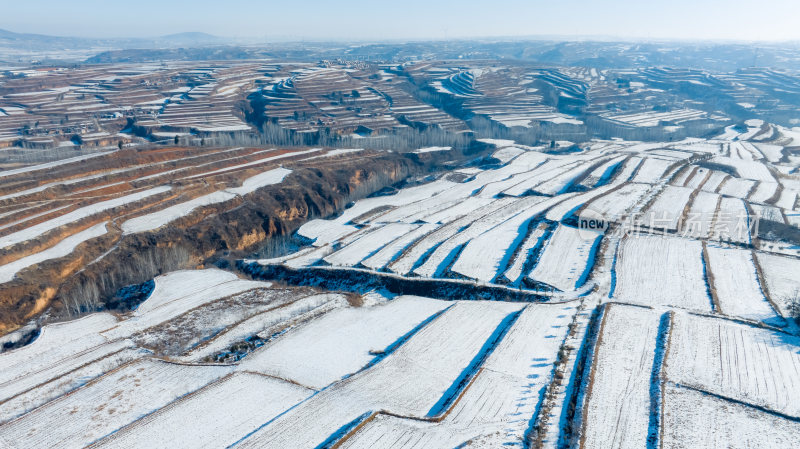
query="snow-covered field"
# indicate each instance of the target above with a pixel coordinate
(617, 410)
(78, 214)
(667, 210)
(694, 419)
(492, 411)
(368, 244)
(61, 249)
(411, 381)
(736, 284)
(662, 271)
(160, 218)
(737, 361)
(780, 276)
(616, 204)
(484, 256)
(652, 169)
(568, 258)
(700, 218)
(257, 399)
(340, 343)
(732, 222)
(106, 405)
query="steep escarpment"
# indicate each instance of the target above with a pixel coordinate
(88, 278)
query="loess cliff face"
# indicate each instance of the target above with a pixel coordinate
(87, 278)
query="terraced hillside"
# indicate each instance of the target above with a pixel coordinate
(618, 295)
(72, 232)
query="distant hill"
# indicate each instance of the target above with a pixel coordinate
(30, 41)
(41, 42)
(192, 37)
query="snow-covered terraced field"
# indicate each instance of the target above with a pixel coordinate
(652, 169)
(615, 204)
(694, 419)
(78, 214)
(711, 182)
(618, 406)
(253, 397)
(736, 284)
(567, 259)
(780, 276)
(662, 271)
(667, 210)
(700, 217)
(61, 249)
(763, 192)
(106, 405)
(732, 222)
(494, 408)
(368, 244)
(411, 381)
(737, 361)
(341, 342)
(484, 256)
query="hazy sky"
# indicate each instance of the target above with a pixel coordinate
(409, 19)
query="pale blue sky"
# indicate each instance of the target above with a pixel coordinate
(409, 19)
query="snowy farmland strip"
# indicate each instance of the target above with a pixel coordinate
(615, 204)
(701, 215)
(780, 277)
(61, 249)
(56, 343)
(417, 252)
(393, 249)
(667, 210)
(732, 222)
(737, 187)
(69, 381)
(661, 271)
(252, 398)
(651, 170)
(340, 342)
(499, 404)
(548, 171)
(368, 244)
(445, 253)
(109, 403)
(736, 284)
(763, 192)
(739, 361)
(78, 214)
(566, 208)
(250, 164)
(693, 419)
(54, 164)
(485, 255)
(408, 382)
(601, 175)
(617, 407)
(711, 183)
(178, 292)
(403, 197)
(264, 323)
(567, 259)
(165, 216)
(524, 257)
